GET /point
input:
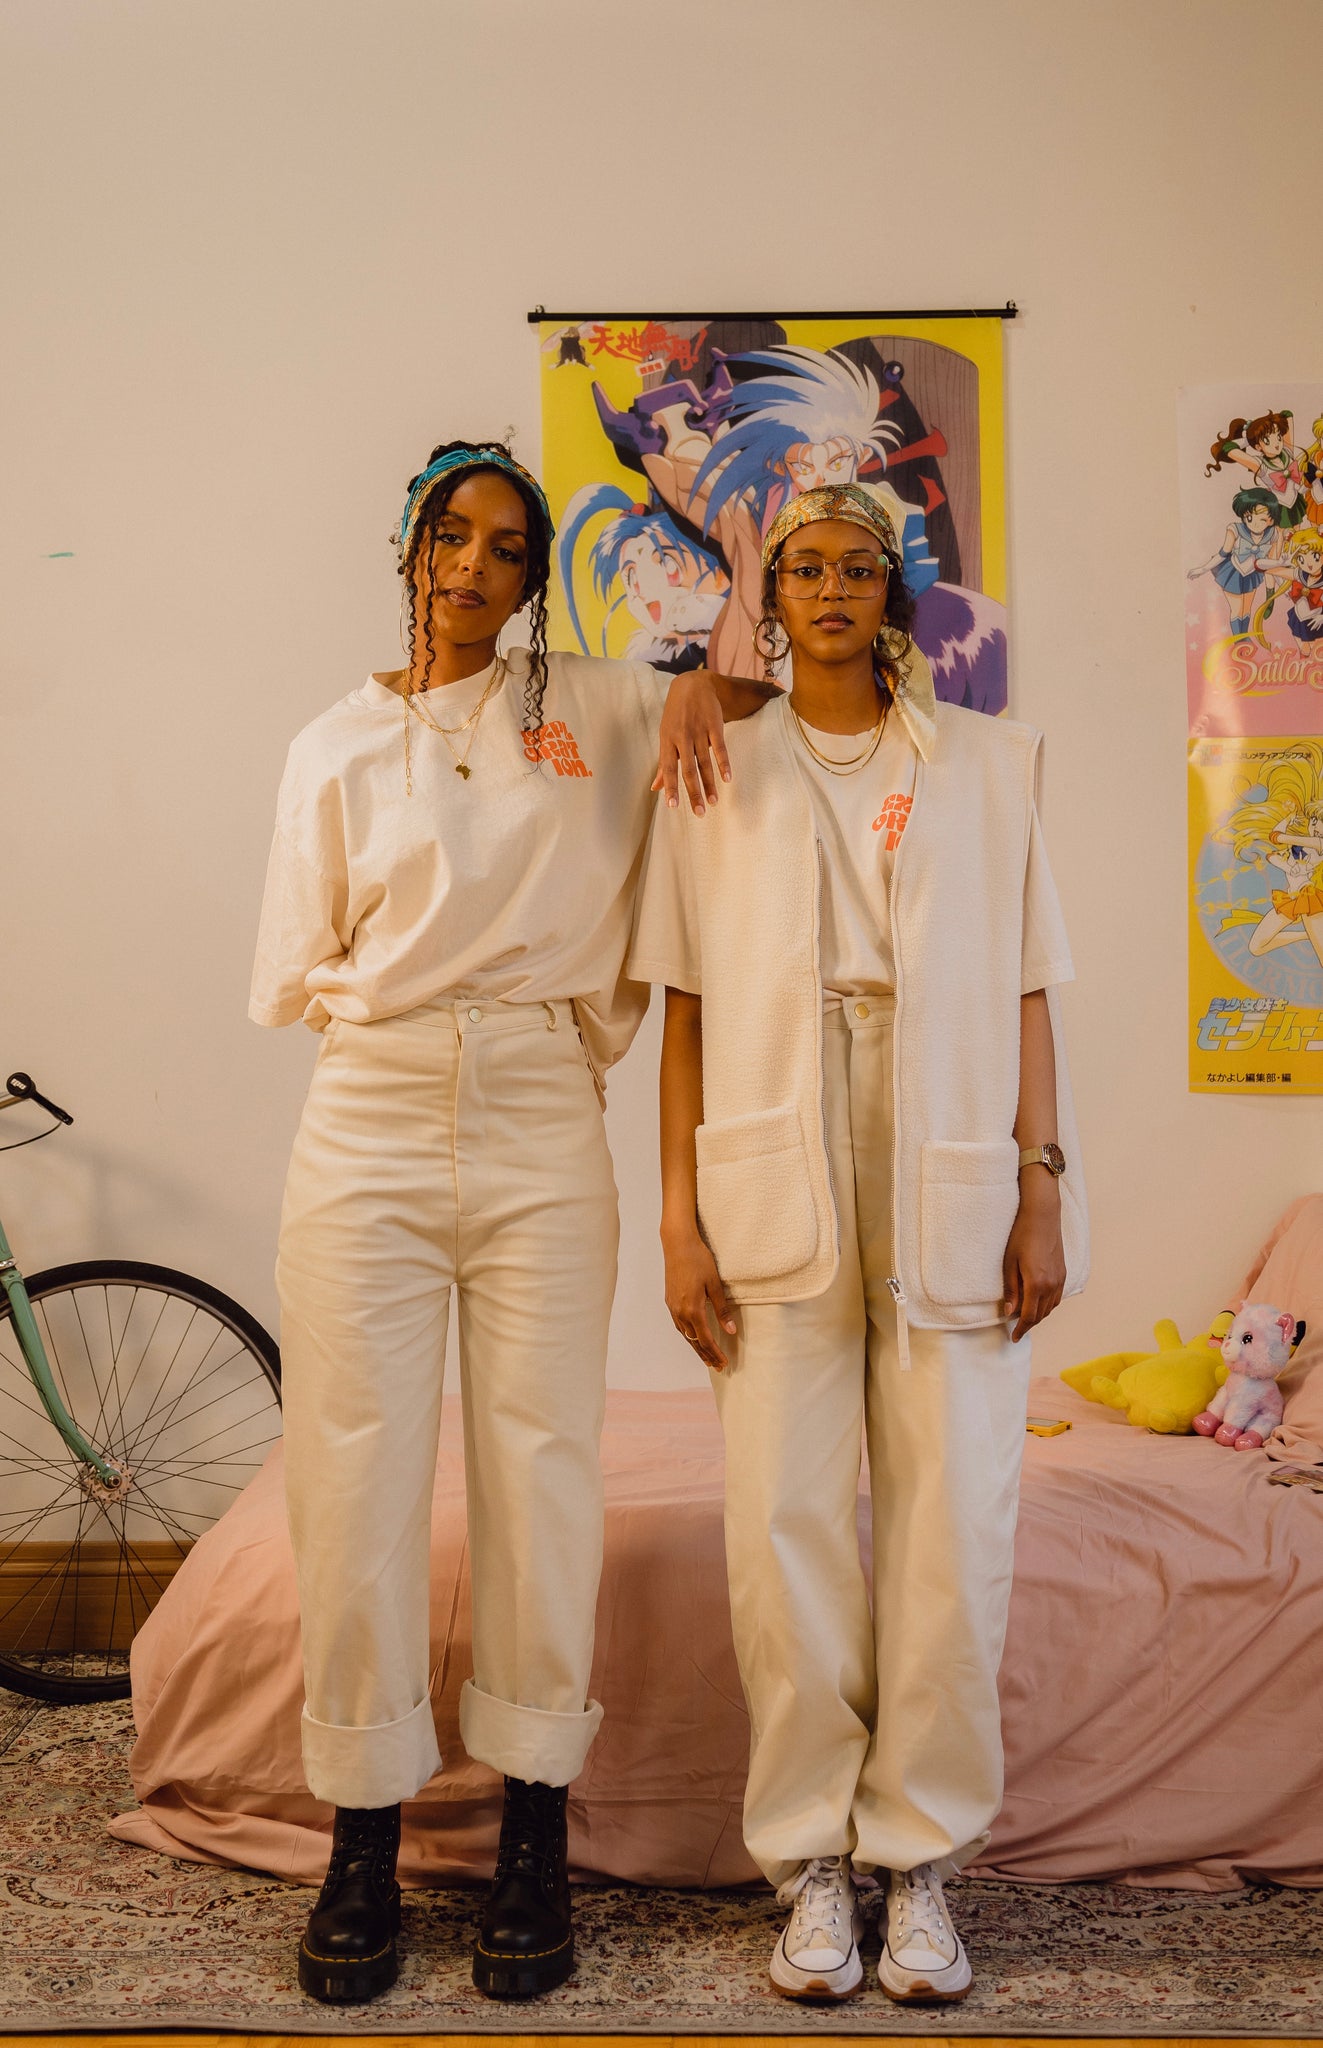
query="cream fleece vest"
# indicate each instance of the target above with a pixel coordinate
(764, 1187)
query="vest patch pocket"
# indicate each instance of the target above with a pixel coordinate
(969, 1194)
(754, 1199)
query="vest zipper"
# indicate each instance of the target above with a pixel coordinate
(895, 1286)
(897, 1293)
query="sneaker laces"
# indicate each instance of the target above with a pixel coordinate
(823, 1902)
(917, 1896)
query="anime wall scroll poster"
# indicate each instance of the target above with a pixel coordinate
(669, 446)
(1252, 524)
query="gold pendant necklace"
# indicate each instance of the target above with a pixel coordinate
(853, 764)
(446, 732)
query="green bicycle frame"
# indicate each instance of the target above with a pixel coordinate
(34, 1352)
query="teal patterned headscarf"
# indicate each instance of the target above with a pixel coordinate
(464, 458)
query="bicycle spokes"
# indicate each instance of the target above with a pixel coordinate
(178, 1400)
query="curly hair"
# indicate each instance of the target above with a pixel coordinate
(537, 574)
(891, 649)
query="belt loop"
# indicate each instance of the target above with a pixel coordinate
(552, 1021)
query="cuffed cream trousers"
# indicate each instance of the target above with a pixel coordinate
(461, 1145)
(874, 1734)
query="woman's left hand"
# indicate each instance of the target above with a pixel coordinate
(692, 739)
(1034, 1269)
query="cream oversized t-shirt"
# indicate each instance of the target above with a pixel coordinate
(514, 885)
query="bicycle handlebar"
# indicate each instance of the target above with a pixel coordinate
(24, 1089)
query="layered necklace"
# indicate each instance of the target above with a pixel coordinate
(852, 764)
(414, 707)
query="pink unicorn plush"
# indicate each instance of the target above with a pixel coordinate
(1247, 1407)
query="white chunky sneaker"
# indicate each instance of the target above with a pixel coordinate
(923, 1958)
(818, 1953)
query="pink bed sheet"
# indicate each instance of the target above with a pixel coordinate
(1160, 1686)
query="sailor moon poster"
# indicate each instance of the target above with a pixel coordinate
(1252, 523)
(669, 445)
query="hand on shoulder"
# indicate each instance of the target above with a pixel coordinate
(693, 744)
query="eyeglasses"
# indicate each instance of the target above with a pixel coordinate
(860, 574)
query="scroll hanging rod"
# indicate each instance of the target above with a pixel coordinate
(1007, 312)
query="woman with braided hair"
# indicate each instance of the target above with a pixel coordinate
(864, 1213)
(448, 904)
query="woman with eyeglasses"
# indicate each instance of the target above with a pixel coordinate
(863, 1112)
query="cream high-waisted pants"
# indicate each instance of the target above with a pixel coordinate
(876, 1734)
(459, 1145)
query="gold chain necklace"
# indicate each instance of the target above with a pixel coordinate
(446, 732)
(855, 762)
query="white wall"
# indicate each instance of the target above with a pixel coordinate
(260, 256)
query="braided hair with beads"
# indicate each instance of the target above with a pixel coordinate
(415, 538)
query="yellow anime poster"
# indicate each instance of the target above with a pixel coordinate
(1256, 915)
(669, 445)
(1252, 522)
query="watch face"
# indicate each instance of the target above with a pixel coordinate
(1054, 1159)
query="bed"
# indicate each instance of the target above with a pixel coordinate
(1160, 1684)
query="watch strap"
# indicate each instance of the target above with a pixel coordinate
(1049, 1156)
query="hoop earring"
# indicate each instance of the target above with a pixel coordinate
(406, 613)
(891, 645)
(766, 631)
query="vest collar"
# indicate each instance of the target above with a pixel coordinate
(916, 701)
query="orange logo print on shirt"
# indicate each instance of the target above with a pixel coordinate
(557, 744)
(893, 818)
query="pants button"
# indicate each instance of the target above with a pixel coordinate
(861, 1009)
(475, 1016)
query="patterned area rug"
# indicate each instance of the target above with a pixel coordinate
(98, 1934)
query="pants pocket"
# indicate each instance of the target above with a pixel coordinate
(754, 1199)
(969, 1195)
(599, 1085)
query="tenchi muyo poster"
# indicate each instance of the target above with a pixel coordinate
(668, 446)
(1252, 524)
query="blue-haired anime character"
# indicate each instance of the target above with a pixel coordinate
(726, 459)
(813, 419)
(673, 586)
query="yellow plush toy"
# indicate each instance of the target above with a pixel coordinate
(1162, 1390)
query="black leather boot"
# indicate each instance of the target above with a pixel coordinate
(526, 1943)
(347, 1953)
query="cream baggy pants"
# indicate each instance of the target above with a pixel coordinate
(876, 1734)
(462, 1145)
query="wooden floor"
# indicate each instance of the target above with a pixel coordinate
(601, 2040)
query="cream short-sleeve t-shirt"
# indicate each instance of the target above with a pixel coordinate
(859, 821)
(513, 885)
(860, 817)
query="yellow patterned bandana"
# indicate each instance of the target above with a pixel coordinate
(832, 501)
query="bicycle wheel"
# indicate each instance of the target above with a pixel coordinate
(178, 1385)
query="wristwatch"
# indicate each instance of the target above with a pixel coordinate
(1050, 1156)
